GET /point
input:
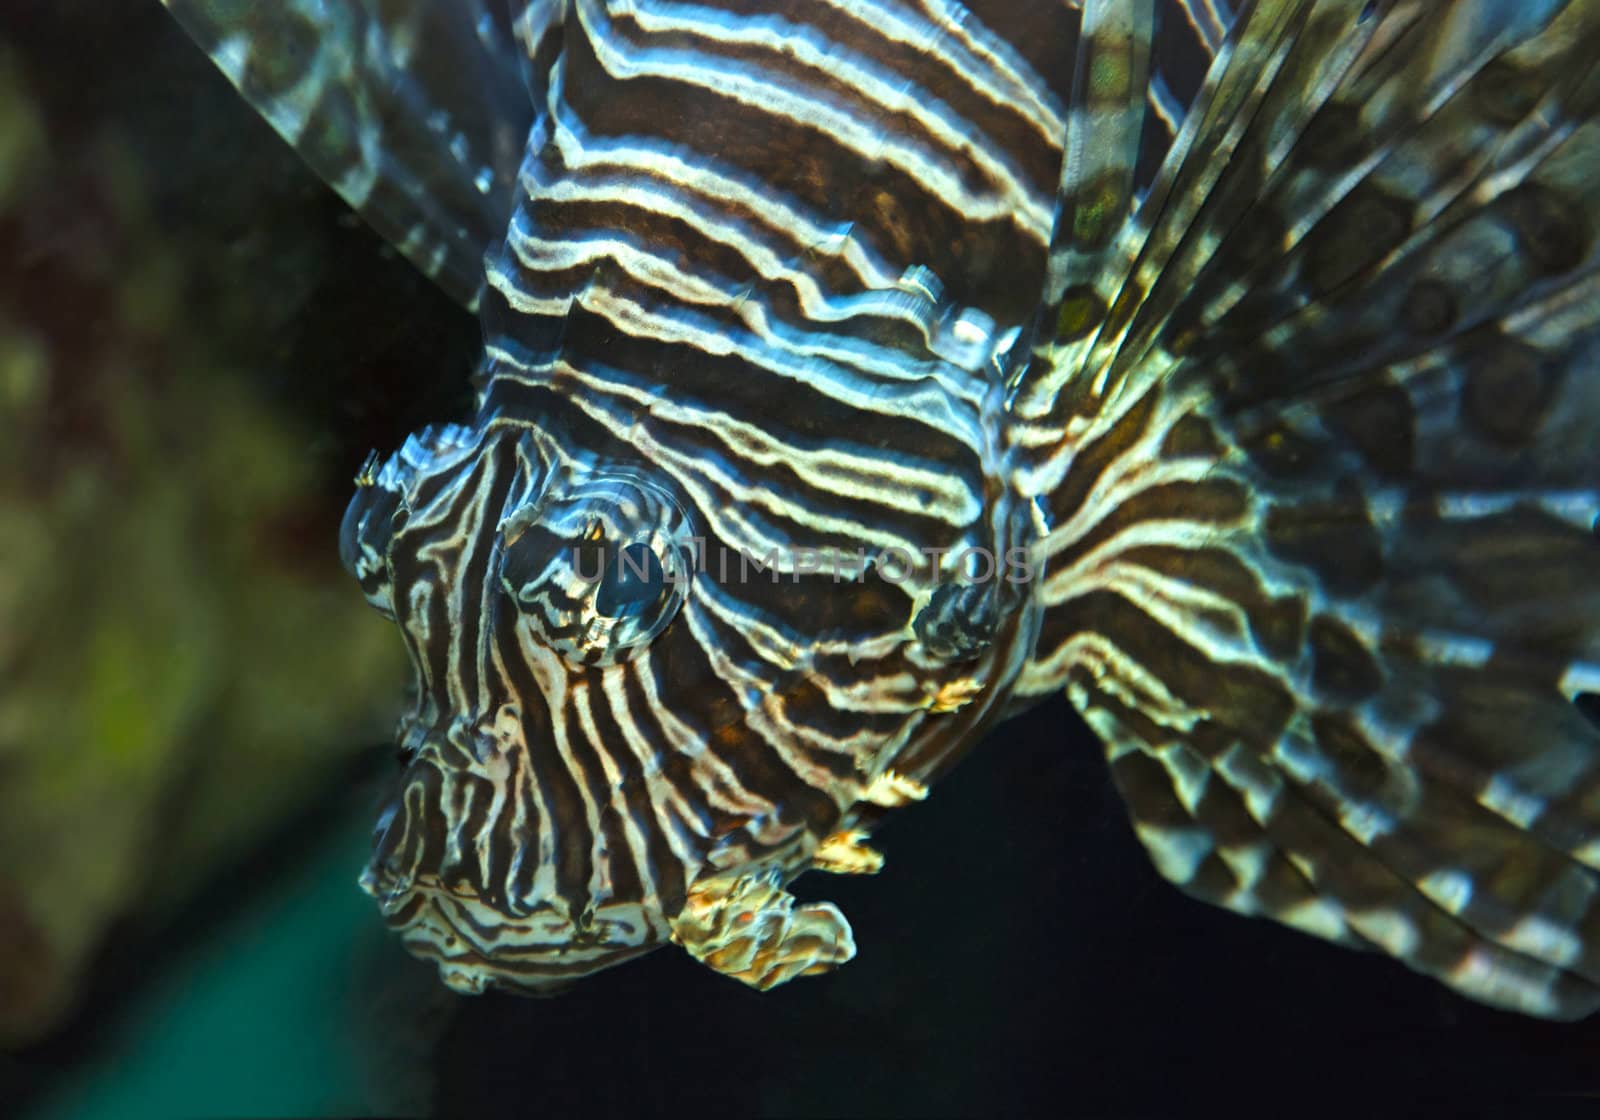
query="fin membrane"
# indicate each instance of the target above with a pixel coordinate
(416, 111)
(1139, 67)
(1320, 442)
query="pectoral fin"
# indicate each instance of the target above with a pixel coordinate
(750, 928)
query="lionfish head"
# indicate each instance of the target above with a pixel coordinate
(612, 699)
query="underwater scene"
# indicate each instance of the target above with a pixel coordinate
(799, 557)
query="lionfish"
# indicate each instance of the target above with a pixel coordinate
(1226, 365)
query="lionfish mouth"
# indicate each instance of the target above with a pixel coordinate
(477, 947)
(482, 936)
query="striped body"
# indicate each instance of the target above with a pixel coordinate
(1219, 363)
(749, 302)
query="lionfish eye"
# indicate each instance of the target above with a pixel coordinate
(634, 580)
(374, 515)
(370, 522)
(599, 567)
(380, 507)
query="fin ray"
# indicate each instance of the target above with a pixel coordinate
(413, 112)
(1324, 565)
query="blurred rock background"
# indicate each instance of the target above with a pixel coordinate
(183, 665)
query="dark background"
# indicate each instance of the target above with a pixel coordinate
(1017, 955)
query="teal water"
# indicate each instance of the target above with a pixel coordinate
(260, 1018)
